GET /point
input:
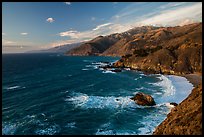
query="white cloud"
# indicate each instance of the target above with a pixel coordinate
(175, 16)
(3, 34)
(185, 22)
(172, 4)
(103, 29)
(101, 26)
(59, 43)
(71, 33)
(50, 20)
(24, 33)
(68, 3)
(115, 2)
(7, 42)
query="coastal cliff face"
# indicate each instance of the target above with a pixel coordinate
(167, 50)
(186, 118)
(178, 53)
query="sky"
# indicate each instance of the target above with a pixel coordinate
(30, 26)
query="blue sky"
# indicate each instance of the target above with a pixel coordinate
(41, 25)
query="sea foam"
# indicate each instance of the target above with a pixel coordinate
(85, 101)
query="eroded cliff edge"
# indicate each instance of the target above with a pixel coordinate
(186, 118)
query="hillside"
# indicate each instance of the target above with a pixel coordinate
(174, 50)
(101, 44)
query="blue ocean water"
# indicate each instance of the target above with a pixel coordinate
(47, 94)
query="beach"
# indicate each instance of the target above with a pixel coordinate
(195, 78)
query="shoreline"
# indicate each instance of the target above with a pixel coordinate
(194, 78)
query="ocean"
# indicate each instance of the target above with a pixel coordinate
(53, 94)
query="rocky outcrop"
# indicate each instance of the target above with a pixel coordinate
(143, 99)
(184, 119)
(174, 104)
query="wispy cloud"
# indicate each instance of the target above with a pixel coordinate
(71, 33)
(7, 42)
(60, 42)
(50, 20)
(68, 3)
(103, 29)
(175, 16)
(3, 34)
(101, 26)
(172, 4)
(170, 14)
(24, 33)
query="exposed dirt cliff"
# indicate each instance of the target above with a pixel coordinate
(184, 119)
(177, 50)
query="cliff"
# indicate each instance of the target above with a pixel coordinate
(165, 50)
(176, 50)
(101, 44)
(186, 118)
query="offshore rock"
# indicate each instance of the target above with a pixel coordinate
(143, 99)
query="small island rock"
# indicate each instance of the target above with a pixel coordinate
(143, 99)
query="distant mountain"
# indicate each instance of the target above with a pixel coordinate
(58, 49)
(100, 44)
(172, 50)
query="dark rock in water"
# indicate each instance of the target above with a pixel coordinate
(174, 104)
(116, 70)
(105, 62)
(105, 66)
(143, 99)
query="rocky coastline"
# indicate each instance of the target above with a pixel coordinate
(177, 121)
(159, 50)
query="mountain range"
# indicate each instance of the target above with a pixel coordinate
(170, 50)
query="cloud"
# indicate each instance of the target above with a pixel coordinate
(101, 26)
(24, 33)
(185, 22)
(7, 42)
(129, 17)
(172, 4)
(3, 34)
(103, 29)
(50, 20)
(175, 16)
(68, 3)
(71, 33)
(59, 43)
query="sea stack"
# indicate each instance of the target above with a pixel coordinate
(143, 99)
